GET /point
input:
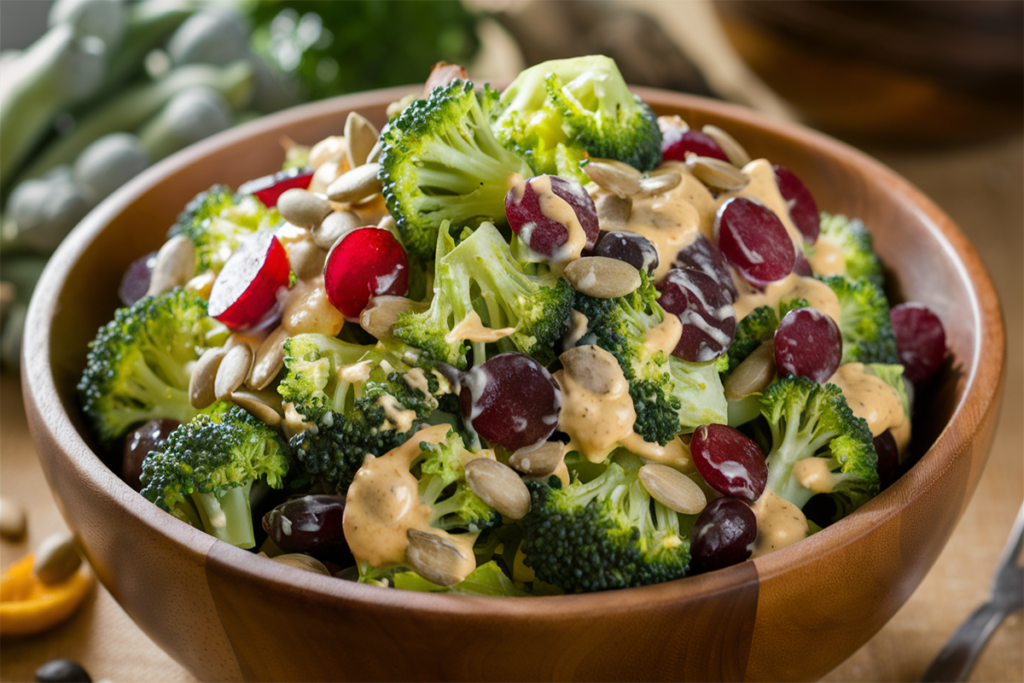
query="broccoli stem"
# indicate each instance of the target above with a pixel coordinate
(229, 517)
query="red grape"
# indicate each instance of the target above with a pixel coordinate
(138, 444)
(270, 187)
(135, 281)
(808, 343)
(362, 264)
(803, 210)
(704, 255)
(723, 535)
(802, 266)
(888, 458)
(536, 218)
(730, 462)
(634, 249)
(310, 524)
(246, 290)
(754, 240)
(511, 400)
(676, 142)
(704, 309)
(920, 340)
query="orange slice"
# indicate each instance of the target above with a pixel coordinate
(27, 605)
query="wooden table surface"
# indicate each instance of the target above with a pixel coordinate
(981, 187)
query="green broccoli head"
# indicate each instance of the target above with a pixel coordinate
(217, 220)
(558, 112)
(868, 336)
(481, 275)
(139, 365)
(440, 161)
(811, 420)
(855, 244)
(443, 466)
(669, 395)
(205, 468)
(604, 534)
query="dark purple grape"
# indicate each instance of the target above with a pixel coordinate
(511, 400)
(920, 340)
(802, 265)
(62, 671)
(723, 535)
(704, 309)
(534, 216)
(138, 444)
(135, 281)
(808, 343)
(754, 240)
(888, 458)
(704, 255)
(676, 142)
(312, 525)
(634, 249)
(803, 210)
(730, 462)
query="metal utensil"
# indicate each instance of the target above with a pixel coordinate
(956, 659)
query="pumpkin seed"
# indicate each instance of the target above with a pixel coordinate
(269, 359)
(717, 174)
(602, 277)
(201, 392)
(435, 558)
(673, 489)
(361, 136)
(539, 462)
(57, 558)
(614, 176)
(356, 185)
(233, 370)
(733, 150)
(302, 207)
(499, 486)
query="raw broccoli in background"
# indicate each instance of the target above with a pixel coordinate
(440, 161)
(603, 534)
(205, 469)
(868, 336)
(561, 111)
(855, 244)
(138, 367)
(669, 395)
(481, 274)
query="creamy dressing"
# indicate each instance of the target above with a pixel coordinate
(577, 328)
(674, 454)
(826, 258)
(595, 422)
(870, 397)
(397, 416)
(764, 188)
(666, 335)
(308, 310)
(560, 211)
(357, 373)
(779, 523)
(816, 474)
(417, 379)
(793, 286)
(472, 328)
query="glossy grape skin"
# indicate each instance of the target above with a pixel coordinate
(246, 290)
(705, 311)
(135, 281)
(138, 444)
(543, 233)
(729, 461)
(362, 264)
(634, 249)
(704, 255)
(269, 189)
(310, 524)
(888, 459)
(511, 400)
(754, 241)
(802, 266)
(723, 535)
(677, 142)
(803, 210)
(920, 340)
(808, 343)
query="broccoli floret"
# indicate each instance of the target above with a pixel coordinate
(855, 244)
(372, 409)
(604, 534)
(810, 420)
(139, 365)
(205, 468)
(755, 328)
(444, 465)
(669, 395)
(868, 336)
(481, 274)
(440, 161)
(558, 112)
(217, 220)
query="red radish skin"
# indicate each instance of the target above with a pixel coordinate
(246, 290)
(365, 263)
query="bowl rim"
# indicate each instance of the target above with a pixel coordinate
(976, 400)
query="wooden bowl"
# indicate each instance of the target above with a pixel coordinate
(227, 614)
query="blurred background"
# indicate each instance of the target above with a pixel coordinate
(94, 91)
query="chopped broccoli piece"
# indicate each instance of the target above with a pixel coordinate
(205, 469)
(669, 395)
(855, 244)
(217, 220)
(604, 534)
(139, 365)
(440, 161)
(868, 336)
(558, 112)
(481, 274)
(809, 420)
(443, 467)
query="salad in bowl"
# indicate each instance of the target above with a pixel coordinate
(528, 342)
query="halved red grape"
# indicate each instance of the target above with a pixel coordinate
(730, 462)
(246, 289)
(754, 240)
(135, 281)
(808, 343)
(803, 210)
(541, 221)
(511, 400)
(802, 266)
(310, 524)
(634, 249)
(704, 255)
(138, 444)
(676, 142)
(704, 309)
(270, 187)
(888, 458)
(723, 535)
(920, 340)
(362, 264)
